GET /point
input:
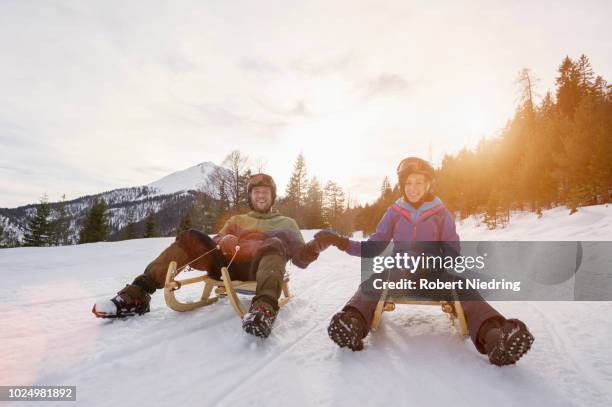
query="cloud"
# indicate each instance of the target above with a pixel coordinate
(12, 141)
(248, 125)
(149, 169)
(324, 66)
(298, 108)
(258, 66)
(177, 63)
(309, 65)
(384, 84)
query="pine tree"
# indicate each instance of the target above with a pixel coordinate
(38, 230)
(243, 188)
(600, 87)
(585, 76)
(386, 192)
(60, 227)
(128, 232)
(601, 161)
(1, 235)
(95, 226)
(490, 215)
(526, 82)
(203, 214)
(568, 91)
(313, 206)
(150, 226)
(579, 147)
(295, 193)
(224, 202)
(185, 222)
(333, 203)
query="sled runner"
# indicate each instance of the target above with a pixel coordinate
(223, 288)
(452, 308)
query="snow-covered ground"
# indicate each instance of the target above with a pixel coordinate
(202, 358)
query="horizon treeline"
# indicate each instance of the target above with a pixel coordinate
(555, 152)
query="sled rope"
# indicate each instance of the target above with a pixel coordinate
(196, 259)
(205, 254)
(232, 259)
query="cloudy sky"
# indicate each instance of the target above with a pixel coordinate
(96, 95)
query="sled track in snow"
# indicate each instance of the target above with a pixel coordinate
(563, 347)
(253, 373)
(261, 367)
(163, 336)
(64, 300)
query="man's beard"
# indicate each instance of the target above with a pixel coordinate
(266, 210)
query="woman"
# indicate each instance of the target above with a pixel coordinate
(420, 216)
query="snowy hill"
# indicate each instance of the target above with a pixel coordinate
(590, 223)
(193, 178)
(167, 197)
(202, 358)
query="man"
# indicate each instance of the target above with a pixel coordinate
(267, 241)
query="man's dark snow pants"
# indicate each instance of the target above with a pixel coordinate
(268, 270)
(477, 310)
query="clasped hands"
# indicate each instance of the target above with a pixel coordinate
(327, 237)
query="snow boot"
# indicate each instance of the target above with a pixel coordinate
(348, 328)
(508, 343)
(259, 320)
(132, 300)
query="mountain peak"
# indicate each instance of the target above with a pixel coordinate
(190, 178)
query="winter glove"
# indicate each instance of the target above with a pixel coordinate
(326, 237)
(228, 245)
(311, 251)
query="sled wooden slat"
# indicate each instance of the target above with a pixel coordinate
(187, 281)
(452, 308)
(380, 307)
(231, 293)
(172, 285)
(226, 287)
(462, 321)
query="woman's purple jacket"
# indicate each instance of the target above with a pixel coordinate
(403, 224)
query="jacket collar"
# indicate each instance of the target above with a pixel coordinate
(259, 215)
(425, 206)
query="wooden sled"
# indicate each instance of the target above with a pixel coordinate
(452, 308)
(223, 288)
